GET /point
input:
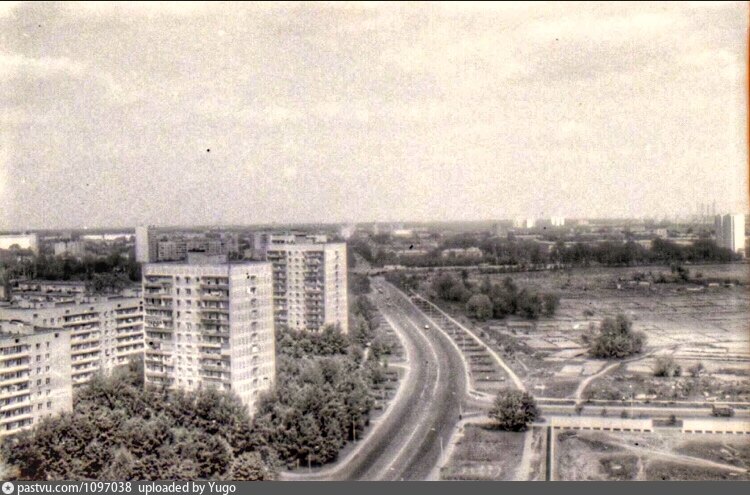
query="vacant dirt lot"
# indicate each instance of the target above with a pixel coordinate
(485, 454)
(689, 322)
(663, 454)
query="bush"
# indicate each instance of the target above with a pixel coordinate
(697, 370)
(513, 410)
(616, 339)
(667, 367)
(551, 302)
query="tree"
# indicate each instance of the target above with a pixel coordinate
(616, 339)
(479, 306)
(513, 410)
(249, 466)
(448, 288)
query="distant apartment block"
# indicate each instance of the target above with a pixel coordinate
(210, 324)
(730, 232)
(557, 221)
(470, 253)
(524, 223)
(20, 241)
(73, 249)
(145, 245)
(35, 379)
(105, 333)
(310, 283)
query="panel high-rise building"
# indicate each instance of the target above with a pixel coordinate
(35, 375)
(210, 324)
(105, 332)
(730, 232)
(146, 245)
(310, 282)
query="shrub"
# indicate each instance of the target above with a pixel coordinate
(667, 367)
(697, 370)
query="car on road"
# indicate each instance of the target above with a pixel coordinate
(427, 327)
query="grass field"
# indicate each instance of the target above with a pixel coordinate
(485, 454)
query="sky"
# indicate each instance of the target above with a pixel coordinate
(178, 114)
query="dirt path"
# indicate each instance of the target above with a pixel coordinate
(587, 381)
(680, 457)
(523, 473)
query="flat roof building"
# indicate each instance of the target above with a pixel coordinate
(730, 232)
(310, 284)
(105, 332)
(35, 379)
(145, 245)
(210, 324)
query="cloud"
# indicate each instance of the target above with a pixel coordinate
(13, 64)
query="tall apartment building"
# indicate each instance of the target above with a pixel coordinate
(35, 377)
(210, 324)
(730, 232)
(146, 247)
(105, 333)
(309, 282)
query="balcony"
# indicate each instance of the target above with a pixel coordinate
(215, 310)
(216, 285)
(12, 419)
(216, 334)
(14, 392)
(157, 284)
(81, 321)
(14, 368)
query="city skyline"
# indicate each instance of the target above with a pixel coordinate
(172, 114)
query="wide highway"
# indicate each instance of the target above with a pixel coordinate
(407, 441)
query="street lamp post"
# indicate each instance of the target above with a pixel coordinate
(632, 397)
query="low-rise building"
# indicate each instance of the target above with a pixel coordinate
(73, 249)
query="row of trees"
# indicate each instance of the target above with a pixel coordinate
(322, 398)
(494, 300)
(118, 431)
(522, 252)
(104, 272)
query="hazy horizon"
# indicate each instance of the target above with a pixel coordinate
(171, 114)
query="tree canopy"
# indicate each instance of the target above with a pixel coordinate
(616, 339)
(513, 410)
